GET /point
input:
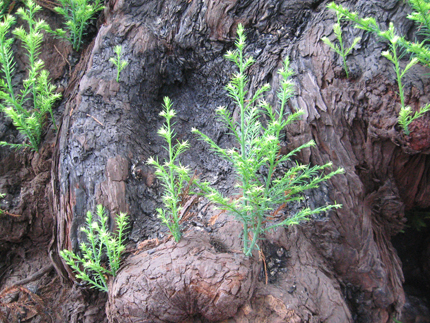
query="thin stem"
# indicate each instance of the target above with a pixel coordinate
(241, 105)
(256, 234)
(342, 49)
(245, 236)
(398, 74)
(32, 58)
(176, 232)
(345, 66)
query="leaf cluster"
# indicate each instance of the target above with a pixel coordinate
(406, 116)
(4, 8)
(28, 107)
(77, 14)
(172, 175)
(397, 47)
(340, 49)
(421, 17)
(89, 267)
(417, 220)
(261, 193)
(120, 64)
(2, 195)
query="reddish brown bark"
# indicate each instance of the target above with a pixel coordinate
(340, 267)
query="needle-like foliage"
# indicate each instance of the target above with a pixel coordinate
(340, 49)
(89, 267)
(2, 195)
(397, 47)
(172, 175)
(421, 17)
(406, 116)
(4, 7)
(262, 193)
(28, 107)
(120, 64)
(77, 14)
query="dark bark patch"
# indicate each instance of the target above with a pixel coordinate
(275, 262)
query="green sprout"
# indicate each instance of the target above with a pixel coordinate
(397, 47)
(120, 64)
(406, 116)
(262, 193)
(2, 196)
(78, 14)
(89, 267)
(4, 8)
(171, 173)
(340, 50)
(28, 107)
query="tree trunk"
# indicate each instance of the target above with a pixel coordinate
(340, 267)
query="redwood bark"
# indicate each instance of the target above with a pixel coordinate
(340, 267)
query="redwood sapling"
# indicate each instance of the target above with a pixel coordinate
(397, 47)
(171, 173)
(340, 50)
(28, 107)
(261, 193)
(89, 266)
(120, 64)
(77, 15)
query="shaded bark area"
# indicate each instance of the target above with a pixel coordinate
(342, 267)
(30, 290)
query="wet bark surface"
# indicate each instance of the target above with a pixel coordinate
(340, 267)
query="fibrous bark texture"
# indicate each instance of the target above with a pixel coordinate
(179, 281)
(341, 267)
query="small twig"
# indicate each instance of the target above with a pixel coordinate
(150, 244)
(88, 115)
(11, 214)
(185, 208)
(186, 190)
(213, 219)
(64, 59)
(48, 4)
(263, 259)
(42, 271)
(11, 7)
(145, 245)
